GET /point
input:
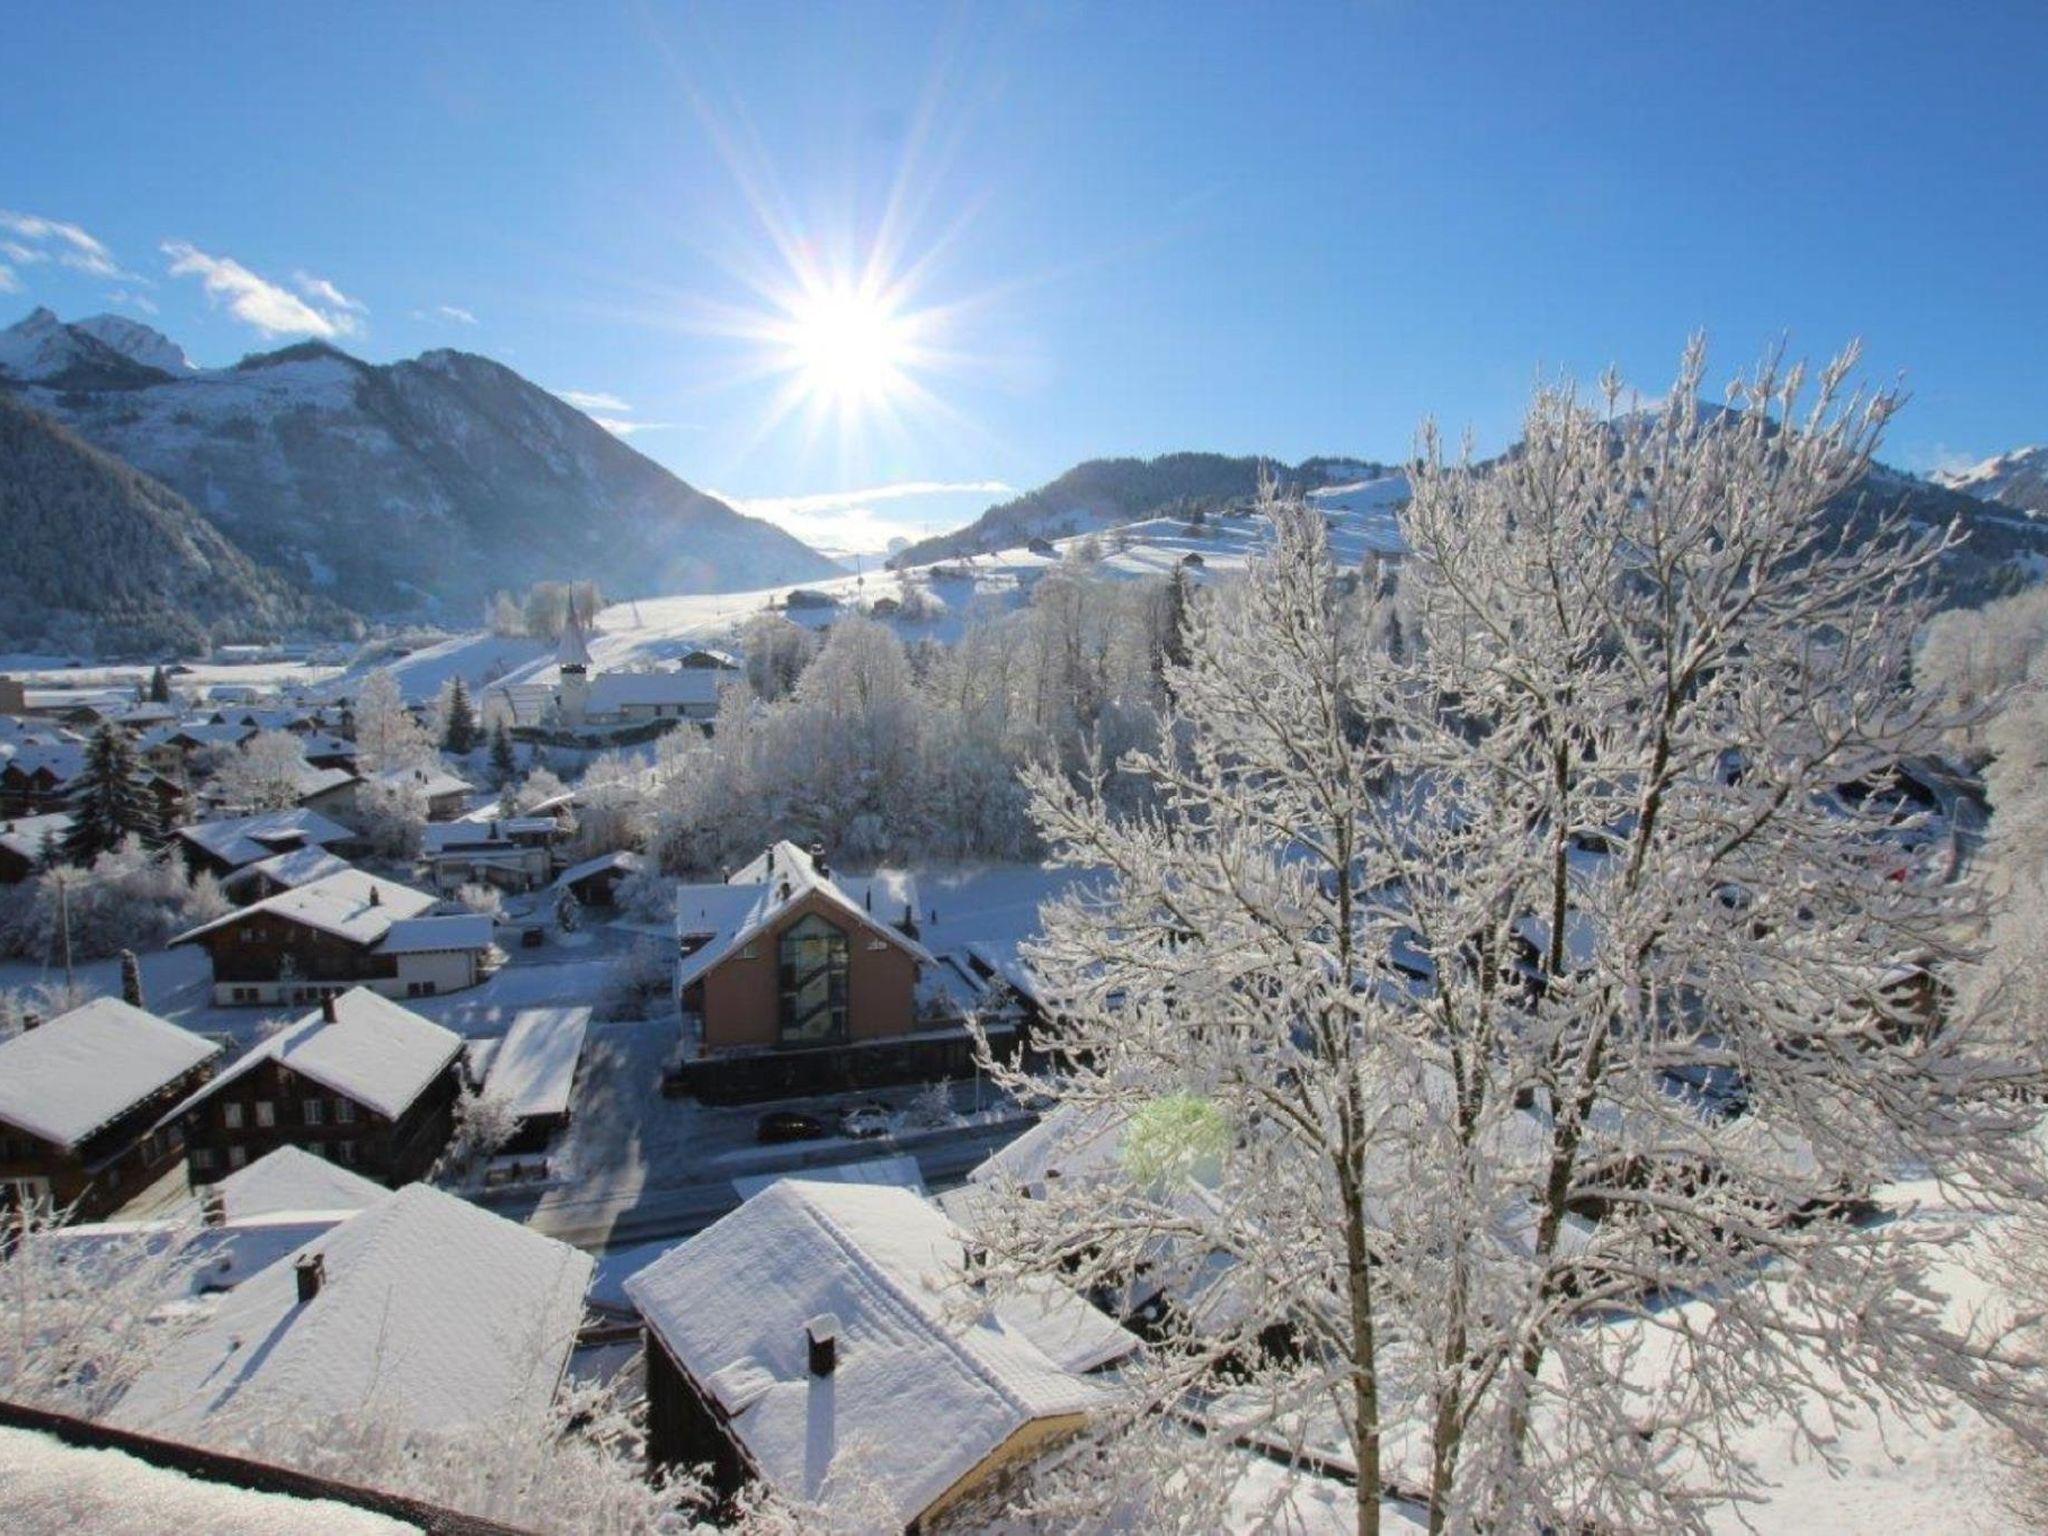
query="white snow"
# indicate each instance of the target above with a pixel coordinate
(85, 1068)
(351, 905)
(433, 1314)
(50, 1488)
(896, 1172)
(534, 1068)
(246, 839)
(921, 1393)
(291, 1179)
(376, 1052)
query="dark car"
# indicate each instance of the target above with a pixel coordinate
(788, 1125)
(533, 938)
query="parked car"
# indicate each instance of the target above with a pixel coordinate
(533, 937)
(864, 1122)
(788, 1125)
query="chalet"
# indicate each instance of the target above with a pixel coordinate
(170, 748)
(360, 1080)
(513, 853)
(222, 847)
(445, 795)
(426, 1309)
(36, 779)
(534, 1071)
(786, 983)
(27, 842)
(81, 1098)
(827, 1336)
(341, 931)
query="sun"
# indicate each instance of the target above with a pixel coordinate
(847, 346)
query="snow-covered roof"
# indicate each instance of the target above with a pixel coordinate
(896, 1172)
(431, 782)
(376, 1052)
(425, 935)
(922, 1393)
(301, 866)
(350, 904)
(624, 859)
(535, 1066)
(432, 1314)
(64, 760)
(572, 650)
(87, 1068)
(693, 686)
(445, 837)
(1071, 1141)
(53, 1485)
(245, 839)
(771, 884)
(23, 836)
(291, 1179)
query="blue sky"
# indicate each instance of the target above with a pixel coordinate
(1104, 229)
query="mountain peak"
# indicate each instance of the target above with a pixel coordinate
(40, 348)
(139, 343)
(2017, 479)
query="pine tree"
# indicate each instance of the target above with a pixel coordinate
(110, 802)
(460, 734)
(504, 766)
(159, 687)
(131, 979)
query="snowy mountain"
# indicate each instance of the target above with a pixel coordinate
(101, 559)
(1104, 493)
(137, 342)
(413, 488)
(2018, 479)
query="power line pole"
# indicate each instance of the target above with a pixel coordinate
(64, 925)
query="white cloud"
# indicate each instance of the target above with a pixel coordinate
(453, 312)
(139, 301)
(256, 300)
(865, 521)
(593, 400)
(833, 501)
(40, 239)
(321, 291)
(9, 283)
(618, 426)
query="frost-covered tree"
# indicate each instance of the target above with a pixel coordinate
(130, 898)
(265, 773)
(776, 651)
(1459, 1002)
(111, 802)
(387, 735)
(391, 814)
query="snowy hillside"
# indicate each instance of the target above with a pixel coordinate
(416, 488)
(2018, 479)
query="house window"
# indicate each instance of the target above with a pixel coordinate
(344, 1151)
(344, 1112)
(237, 1156)
(813, 977)
(231, 1116)
(266, 1113)
(314, 1111)
(202, 1159)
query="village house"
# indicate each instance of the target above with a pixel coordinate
(281, 872)
(429, 1311)
(513, 853)
(788, 982)
(533, 1072)
(221, 847)
(587, 704)
(81, 1098)
(446, 796)
(827, 1337)
(340, 931)
(28, 843)
(360, 1081)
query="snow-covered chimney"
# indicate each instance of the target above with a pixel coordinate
(30, 1020)
(822, 1334)
(213, 1207)
(376, 900)
(818, 859)
(312, 1273)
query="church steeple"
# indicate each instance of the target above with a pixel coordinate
(573, 651)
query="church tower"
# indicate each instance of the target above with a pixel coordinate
(572, 657)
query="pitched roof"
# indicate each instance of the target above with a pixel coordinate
(614, 691)
(349, 904)
(433, 1314)
(243, 840)
(87, 1068)
(376, 1052)
(431, 782)
(572, 650)
(23, 835)
(770, 885)
(922, 1392)
(426, 935)
(301, 866)
(535, 1066)
(290, 1179)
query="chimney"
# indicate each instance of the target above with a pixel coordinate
(312, 1273)
(327, 1008)
(376, 900)
(822, 1334)
(818, 858)
(31, 1020)
(213, 1207)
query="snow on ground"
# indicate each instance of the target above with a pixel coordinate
(49, 1488)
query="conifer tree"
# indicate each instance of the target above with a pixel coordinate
(460, 733)
(159, 687)
(111, 801)
(504, 766)
(131, 979)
